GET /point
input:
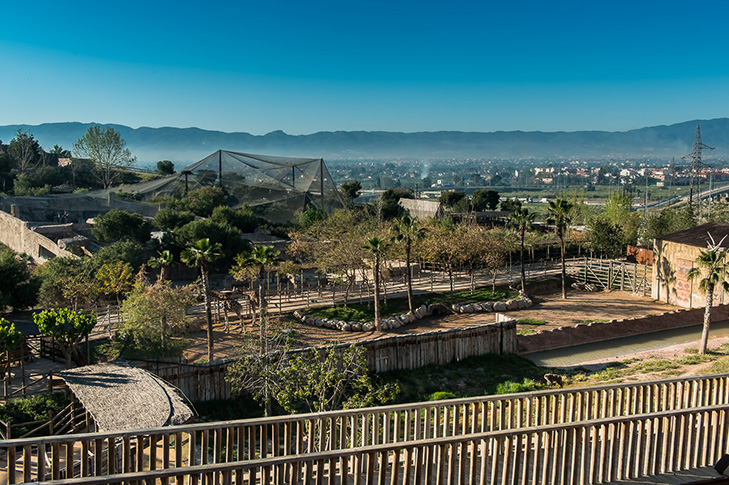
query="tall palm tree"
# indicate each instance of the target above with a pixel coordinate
(376, 245)
(521, 219)
(260, 258)
(163, 260)
(408, 230)
(712, 269)
(559, 216)
(199, 255)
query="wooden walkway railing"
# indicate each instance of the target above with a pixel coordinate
(575, 453)
(391, 427)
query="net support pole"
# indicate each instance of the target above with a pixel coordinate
(220, 168)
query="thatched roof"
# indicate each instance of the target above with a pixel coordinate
(121, 397)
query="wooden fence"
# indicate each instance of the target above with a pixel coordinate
(616, 275)
(622, 430)
(204, 382)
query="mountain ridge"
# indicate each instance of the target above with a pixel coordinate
(183, 145)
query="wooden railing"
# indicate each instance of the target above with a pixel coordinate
(391, 427)
(576, 453)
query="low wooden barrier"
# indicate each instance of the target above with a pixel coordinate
(387, 428)
(401, 352)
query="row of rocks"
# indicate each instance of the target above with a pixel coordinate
(423, 311)
(494, 306)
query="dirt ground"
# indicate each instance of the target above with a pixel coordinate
(579, 307)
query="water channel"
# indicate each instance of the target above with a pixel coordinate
(621, 348)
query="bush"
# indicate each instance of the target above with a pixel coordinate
(33, 408)
(511, 387)
(442, 396)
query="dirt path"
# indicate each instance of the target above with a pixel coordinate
(579, 307)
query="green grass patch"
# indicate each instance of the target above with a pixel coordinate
(511, 387)
(656, 365)
(525, 331)
(587, 322)
(694, 358)
(112, 349)
(531, 321)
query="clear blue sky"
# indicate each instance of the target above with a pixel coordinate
(304, 66)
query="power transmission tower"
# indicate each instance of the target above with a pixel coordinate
(695, 157)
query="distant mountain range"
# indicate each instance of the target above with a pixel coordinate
(187, 145)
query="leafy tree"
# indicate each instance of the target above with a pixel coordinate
(9, 339)
(165, 167)
(666, 222)
(117, 225)
(388, 205)
(310, 216)
(559, 216)
(226, 236)
(25, 150)
(326, 379)
(619, 212)
(60, 152)
(18, 286)
(510, 204)
(712, 269)
(124, 251)
(521, 219)
(350, 191)
(107, 150)
(151, 312)
(407, 231)
(203, 200)
(376, 246)
(451, 198)
(67, 282)
(116, 279)
(169, 219)
(242, 218)
(67, 327)
(484, 199)
(606, 238)
(200, 255)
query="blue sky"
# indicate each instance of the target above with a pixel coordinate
(304, 66)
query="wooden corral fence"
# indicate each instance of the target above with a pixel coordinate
(581, 435)
(204, 382)
(607, 274)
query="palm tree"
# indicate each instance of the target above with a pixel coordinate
(711, 263)
(376, 245)
(260, 258)
(521, 219)
(408, 230)
(559, 216)
(199, 255)
(162, 261)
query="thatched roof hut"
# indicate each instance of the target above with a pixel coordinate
(121, 397)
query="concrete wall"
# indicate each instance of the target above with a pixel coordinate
(671, 263)
(598, 332)
(19, 237)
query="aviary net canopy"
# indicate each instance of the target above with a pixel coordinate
(277, 188)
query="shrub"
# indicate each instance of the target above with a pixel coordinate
(511, 387)
(442, 396)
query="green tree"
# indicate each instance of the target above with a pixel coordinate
(169, 219)
(665, 222)
(712, 269)
(310, 216)
(163, 260)
(203, 200)
(25, 150)
(484, 199)
(200, 255)
(151, 312)
(165, 167)
(67, 327)
(124, 251)
(619, 212)
(116, 279)
(376, 246)
(521, 220)
(9, 339)
(451, 198)
(18, 286)
(559, 216)
(117, 225)
(107, 150)
(242, 218)
(605, 238)
(226, 236)
(350, 191)
(407, 231)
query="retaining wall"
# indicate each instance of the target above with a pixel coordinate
(19, 237)
(598, 332)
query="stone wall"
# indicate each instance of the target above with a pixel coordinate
(19, 237)
(672, 262)
(598, 332)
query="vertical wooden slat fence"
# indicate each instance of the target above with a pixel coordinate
(616, 275)
(401, 427)
(592, 452)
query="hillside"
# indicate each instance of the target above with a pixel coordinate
(186, 145)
